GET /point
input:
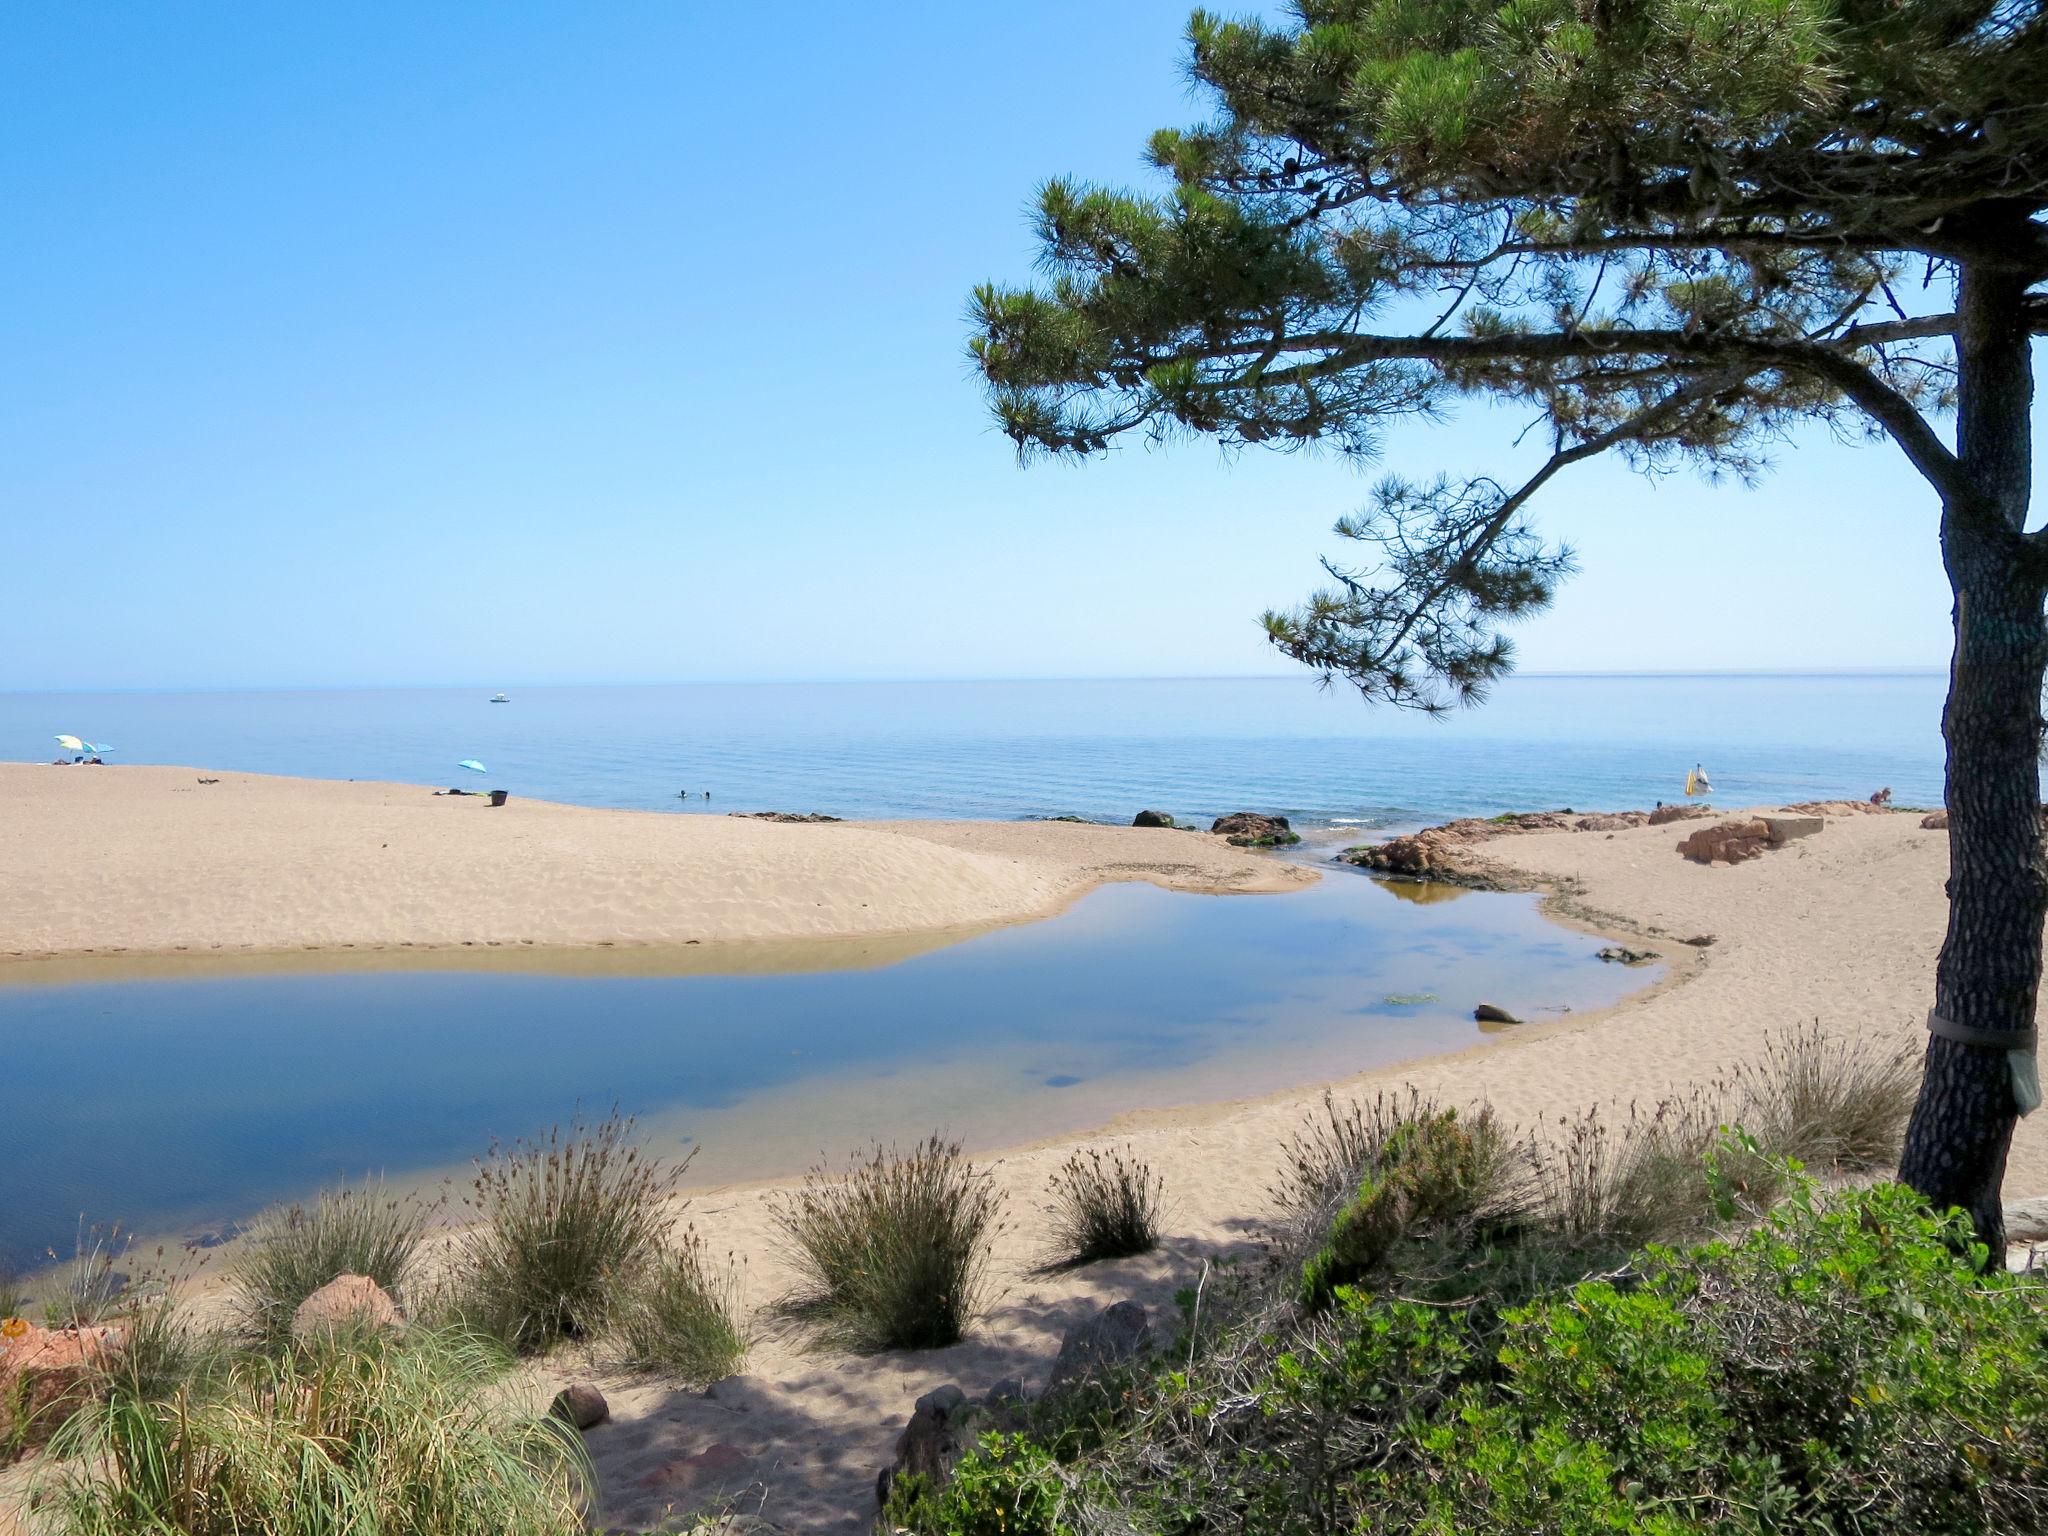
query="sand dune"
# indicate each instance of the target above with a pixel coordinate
(106, 861)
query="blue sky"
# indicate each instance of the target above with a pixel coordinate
(568, 342)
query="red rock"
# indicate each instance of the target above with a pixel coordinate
(1935, 821)
(46, 1375)
(346, 1301)
(1729, 842)
(1665, 814)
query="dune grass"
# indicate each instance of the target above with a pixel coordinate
(683, 1315)
(1835, 1105)
(89, 1286)
(892, 1254)
(1105, 1205)
(565, 1226)
(361, 1434)
(292, 1251)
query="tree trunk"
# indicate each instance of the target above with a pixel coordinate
(1989, 973)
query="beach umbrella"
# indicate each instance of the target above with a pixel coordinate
(472, 765)
(70, 743)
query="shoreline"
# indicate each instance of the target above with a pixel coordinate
(155, 869)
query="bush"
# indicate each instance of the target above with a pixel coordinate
(1843, 1365)
(1105, 1206)
(91, 1287)
(894, 1254)
(1010, 1487)
(1829, 1103)
(1423, 1171)
(564, 1227)
(292, 1251)
(683, 1316)
(363, 1435)
(164, 1352)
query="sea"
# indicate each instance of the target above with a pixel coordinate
(1104, 750)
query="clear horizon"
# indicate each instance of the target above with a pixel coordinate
(560, 344)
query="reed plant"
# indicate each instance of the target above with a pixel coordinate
(292, 1251)
(1105, 1205)
(893, 1253)
(363, 1433)
(683, 1315)
(565, 1226)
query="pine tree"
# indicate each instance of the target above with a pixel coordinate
(1670, 229)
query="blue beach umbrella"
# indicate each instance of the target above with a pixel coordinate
(472, 765)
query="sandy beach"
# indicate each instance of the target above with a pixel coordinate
(1841, 927)
(163, 862)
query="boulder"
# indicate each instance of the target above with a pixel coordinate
(1151, 819)
(1248, 829)
(938, 1435)
(46, 1375)
(790, 816)
(1664, 815)
(581, 1405)
(1784, 828)
(1727, 842)
(1621, 821)
(1109, 1339)
(1489, 1013)
(1934, 821)
(2026, 1221)
(343, 1303)
(1621, 954)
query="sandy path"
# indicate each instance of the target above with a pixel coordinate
(123, 861)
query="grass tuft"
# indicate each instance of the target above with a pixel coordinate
(683, 1316)
(894, 1253)
(292, 1251)
(90, 1288)
(565, 1227)
(1832, 1104)
(1104, 1206)
(362, 1434)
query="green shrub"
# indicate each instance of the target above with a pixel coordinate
(292, 1251)
(366, 1434)
(1840, 1366)
(1104, 1206)
(683, 1316)
(1009, 1487)
(564, 1227)
(894, 1253)
(164, 1352)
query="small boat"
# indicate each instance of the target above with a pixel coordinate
(499, 698)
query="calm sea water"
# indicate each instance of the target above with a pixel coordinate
(1097, 749)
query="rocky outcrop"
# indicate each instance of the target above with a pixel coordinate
(1664, 815)
(1842, 808)
(1727, 842)
(1151, 819)
(942, 1429)
(1621, 954)
(343, 1304)
(46, 1375)
(1110, 1339)
(581, 1405)
(1934, 821)
(1248, 829)
(809, 817)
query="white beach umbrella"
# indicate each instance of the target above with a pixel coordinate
(70, 743)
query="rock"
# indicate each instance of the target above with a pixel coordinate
(718, 1464)
(1488, 1013)
(1699, 941)
(1621, 954)
(791, 816)
(1664, 815)
(1151, 819)
(1619, 822)
(1728, 842)
(934, 1440)
(1008, 1390)
(1248, 829)
(1111, 1338)
(580, 1404)
(2026, 1221)
(1934, 821)
(46, 1375)
(1842, 808)
(1783, 829)
(345, 1302)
